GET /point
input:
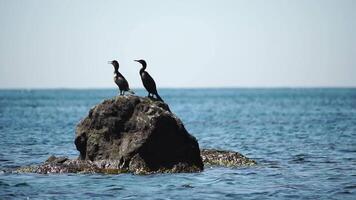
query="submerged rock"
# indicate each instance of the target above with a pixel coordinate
(61, 165)
(137, 134)
(211, 157)
(225, 158)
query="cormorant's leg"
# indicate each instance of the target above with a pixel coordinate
(120, 92)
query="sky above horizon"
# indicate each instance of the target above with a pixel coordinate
(277, 43)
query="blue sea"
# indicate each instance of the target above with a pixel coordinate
(304, 141)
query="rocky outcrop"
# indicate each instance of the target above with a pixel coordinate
(137, 134)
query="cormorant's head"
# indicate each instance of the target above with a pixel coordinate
(143, 62)
(115, 64)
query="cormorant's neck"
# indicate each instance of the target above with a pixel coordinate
(116, 67)
(143, 68)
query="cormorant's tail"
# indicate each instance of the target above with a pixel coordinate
(158, 97)
(131, 92)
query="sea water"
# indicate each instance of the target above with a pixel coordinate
(304, 141)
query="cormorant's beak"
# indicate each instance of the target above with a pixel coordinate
(136, 60)
(109, 62)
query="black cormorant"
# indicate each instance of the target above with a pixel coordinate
(119, 79)
(148, 81)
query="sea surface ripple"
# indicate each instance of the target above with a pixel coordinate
(304, 141)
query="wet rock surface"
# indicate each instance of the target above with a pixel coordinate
(211, 157)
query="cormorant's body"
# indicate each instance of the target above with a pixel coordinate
(120, 80)
(148, 81)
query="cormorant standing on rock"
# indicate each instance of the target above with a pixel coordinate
(148, 81)
(119, 79)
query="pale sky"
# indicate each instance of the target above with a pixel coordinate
(274, 43)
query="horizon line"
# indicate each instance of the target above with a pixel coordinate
(177, 88)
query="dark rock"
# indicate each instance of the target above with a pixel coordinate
(136, 134)
(53, 159)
